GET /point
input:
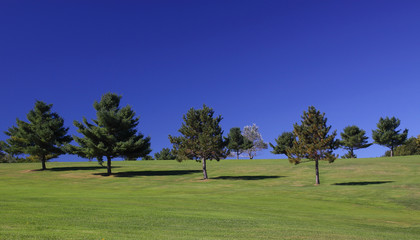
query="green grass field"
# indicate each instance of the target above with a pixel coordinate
(376, 198)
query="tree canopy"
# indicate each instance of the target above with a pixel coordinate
(409, 147)
(353, 138)
(253, 134)
(237, 142)
(113, 134)
(201, 137)
(312, 140)
(387, 134)
(165, 154)
(15, 144)
(283, 142)
(42, 137)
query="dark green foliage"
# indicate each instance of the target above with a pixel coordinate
(113, 134)
(165, 154)
(410, 147)
(312, 142)
(247, 144)
(387, 134)
(418, 141)
(5, 158)
(201, 137)
(2, 155)
(14, 144)
(42, 137)
(148, 157)
(283, 142)
(237, 142)
(8, 158)
(353, 138)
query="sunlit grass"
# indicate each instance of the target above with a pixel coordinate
(375, 198)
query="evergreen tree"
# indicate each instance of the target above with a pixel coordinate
(237, 142)
(42, 137)
(284, 142)
(15, 144)
(353, 138)
(253, 134)
(387, 134)
(113, 134)
(165, 154)
(312, 141)
(147, 157)
(201, 138)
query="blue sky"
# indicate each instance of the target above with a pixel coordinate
(260, 62)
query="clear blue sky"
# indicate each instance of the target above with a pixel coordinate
(260, 62)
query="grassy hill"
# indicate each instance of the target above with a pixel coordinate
(376, 198)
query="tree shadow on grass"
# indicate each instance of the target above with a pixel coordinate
(59, 169)
(150, 173)
(361, 183)
(260, 177)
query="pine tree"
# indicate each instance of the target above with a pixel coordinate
(201, 138)
(237, 142)
(353, 138)
(387, 133)
(313, 143)
(283, 142)
(113, 134)
(42, 137)
(14, 144)
(165, 154)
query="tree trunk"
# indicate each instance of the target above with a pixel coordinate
(317, 173)
(44, 167)
(392, 151)
(237, 155)
(108, 165)
(204, 169)
(352, 153)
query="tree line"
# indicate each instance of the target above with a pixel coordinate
(114, 134)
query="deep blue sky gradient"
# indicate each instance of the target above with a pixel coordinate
(260, 62)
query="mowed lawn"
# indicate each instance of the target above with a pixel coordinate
(376, 198)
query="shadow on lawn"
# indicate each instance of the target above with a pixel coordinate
(260, 177)
(362, 183)
(150, 173)
(59, 169)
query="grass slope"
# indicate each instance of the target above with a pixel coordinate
(375, 198)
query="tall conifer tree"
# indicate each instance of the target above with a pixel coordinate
(283, 142)
(113, 134)
(42, 137)
(353, 138)
(201, 138)
(312, 141)
(237, 142)
(387, 134)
